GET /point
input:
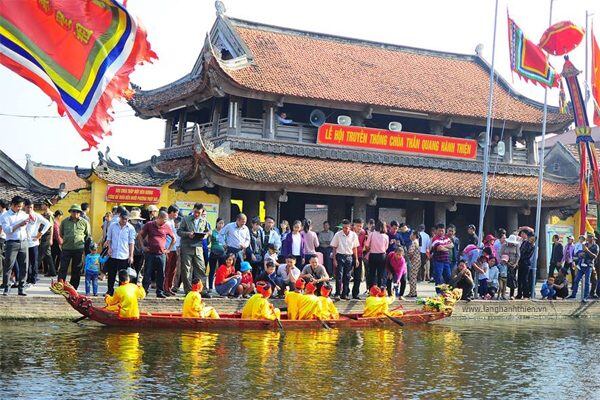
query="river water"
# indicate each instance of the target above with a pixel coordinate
(535, 359)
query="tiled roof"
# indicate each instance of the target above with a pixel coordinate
(308, 65)
(53, 176)
(8, 191)
(127, 176)
(294, 63)
(145, 173)
(290, 170)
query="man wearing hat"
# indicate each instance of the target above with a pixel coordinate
(192, 230)
(75, 232)
(120, 241)
(153, 212)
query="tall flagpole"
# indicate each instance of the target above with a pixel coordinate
(488, 128)
(538, 210)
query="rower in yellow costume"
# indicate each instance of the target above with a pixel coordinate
(258, 306)
(293, 298)
(193, 306)
(126, 296)
(328, 309)
(378, 304)
(308, 305)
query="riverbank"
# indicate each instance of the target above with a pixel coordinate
(54, 307)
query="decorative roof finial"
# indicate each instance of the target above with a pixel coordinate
(479, 49)
(220, 7)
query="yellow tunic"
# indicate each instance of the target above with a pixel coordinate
(309, 307)
(379, 306)
(292, 299)
(257, 307)
(125, 300)
(328, 309)
(193, 307)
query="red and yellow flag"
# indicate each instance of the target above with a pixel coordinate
(79, 52)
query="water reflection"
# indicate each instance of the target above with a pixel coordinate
(482, 359)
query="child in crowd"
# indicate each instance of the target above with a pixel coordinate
(548, 291)
(247, 281)
(271, 254)
(270, 275)
(93, 262)
(482, 268)
(502, 277)
(493, 279)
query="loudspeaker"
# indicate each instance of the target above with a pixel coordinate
(317, 117)
(395, 126)
(344, 120)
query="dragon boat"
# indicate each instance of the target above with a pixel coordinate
(87, 309)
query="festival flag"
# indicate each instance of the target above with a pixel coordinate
(79, 52)
(596, 79)
(528, 60)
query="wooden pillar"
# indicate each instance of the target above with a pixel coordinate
(508, 149)
(269, 118)
(439, 213)
(360, 208)
(489, 222)
(531, 150)
(168, 131)
(336, 210)
(216, 115)
(542, 266)
(251, 204)
(512, 219)
(181, 127)
(415, 214)
(225, 203)
(272, 205)
(233, 116)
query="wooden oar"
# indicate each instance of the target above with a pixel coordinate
(323, 323)
(279, 325)
(395, 320)
(76, 320)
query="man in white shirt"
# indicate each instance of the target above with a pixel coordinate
(120, 240)
(235, 237)
(288, 272)
(14, 223)
(36, 228)
(424, 243)
(3, 208)
(345, 247)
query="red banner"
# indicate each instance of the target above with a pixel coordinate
(406, 142)
(132, 194)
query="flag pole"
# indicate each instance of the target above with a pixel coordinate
(538, 210)
(488, 128)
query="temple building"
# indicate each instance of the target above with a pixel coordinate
(293, 119)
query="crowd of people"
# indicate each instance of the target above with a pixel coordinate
(168, 252)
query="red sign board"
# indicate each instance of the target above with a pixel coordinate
(132, 194)
(406, 142)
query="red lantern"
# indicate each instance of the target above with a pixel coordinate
(561, 38)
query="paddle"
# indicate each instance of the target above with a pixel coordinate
(395, 320)
(279, 325)
(76, 320)
(323, 323)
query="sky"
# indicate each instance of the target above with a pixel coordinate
(177, 29)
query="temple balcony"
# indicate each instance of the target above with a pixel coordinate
(261, 129)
